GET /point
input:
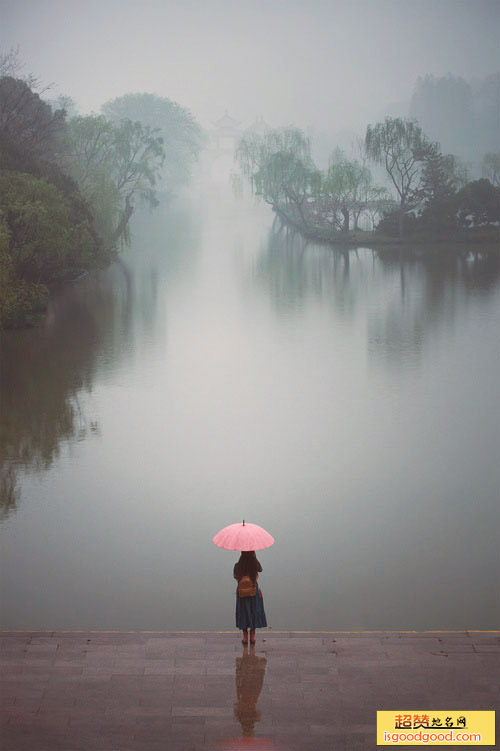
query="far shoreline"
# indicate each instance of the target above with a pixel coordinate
(487, 238)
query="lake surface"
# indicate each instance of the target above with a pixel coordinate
(223, 370)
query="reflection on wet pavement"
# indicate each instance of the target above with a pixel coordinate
(250, 671)
(133, 691)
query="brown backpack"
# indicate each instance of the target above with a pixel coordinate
(246, 587)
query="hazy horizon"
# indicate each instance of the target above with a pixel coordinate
(331, 65)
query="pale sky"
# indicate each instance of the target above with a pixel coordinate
(335, 64)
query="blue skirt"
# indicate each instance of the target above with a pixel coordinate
(250, 611)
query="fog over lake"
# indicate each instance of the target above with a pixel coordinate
(328, 64)
(223, 370)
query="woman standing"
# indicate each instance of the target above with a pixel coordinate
(250, 612)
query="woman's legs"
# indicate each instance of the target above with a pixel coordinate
(245, 637)
(252, 636)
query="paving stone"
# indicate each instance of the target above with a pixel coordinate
(186, 734)
(142, 692)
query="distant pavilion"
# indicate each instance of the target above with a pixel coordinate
(227, 132)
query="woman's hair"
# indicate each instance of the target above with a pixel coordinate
(248, 565)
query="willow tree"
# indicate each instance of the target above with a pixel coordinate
(254, 149)
(401, 147)
(280, 169)
(344, 192)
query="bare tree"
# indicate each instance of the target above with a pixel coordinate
(401, 147)
(27, 121)
(11, 65)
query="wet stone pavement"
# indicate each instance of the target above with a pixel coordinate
(109, 691)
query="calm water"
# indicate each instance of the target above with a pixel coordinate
(224, 371)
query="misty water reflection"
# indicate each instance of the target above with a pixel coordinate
(291, 270)
(419, 292)
(250, 673)
(47, 374)
(226, 370)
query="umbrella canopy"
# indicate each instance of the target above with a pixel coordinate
(243, 537)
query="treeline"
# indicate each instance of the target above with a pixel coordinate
(463, 116)
(427, 193)
(69, 185)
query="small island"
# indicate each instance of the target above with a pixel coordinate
(430, 202)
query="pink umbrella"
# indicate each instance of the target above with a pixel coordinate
(243, 537)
